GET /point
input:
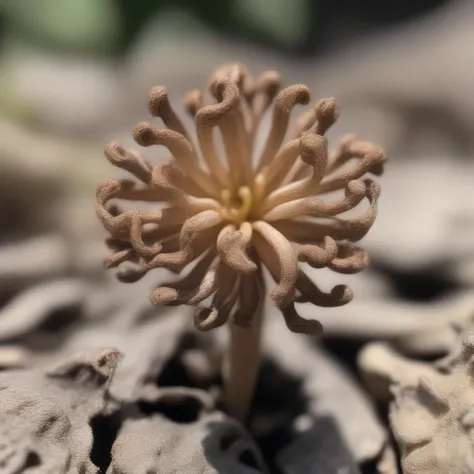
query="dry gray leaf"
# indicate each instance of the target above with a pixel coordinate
(212, 444)
(417, 328)
(32, 307)
(147, 346)
(432, 415)
(54, 409)
(329, 388)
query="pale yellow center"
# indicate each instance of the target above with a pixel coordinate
(245, 204)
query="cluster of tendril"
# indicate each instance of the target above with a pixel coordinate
(222, 213)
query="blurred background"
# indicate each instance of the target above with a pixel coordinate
(75, 74)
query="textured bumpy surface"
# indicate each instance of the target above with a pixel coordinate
(45, 416)
(432, 414)
(212, 444)
(232, 211)
(433, 420)
(321, 451)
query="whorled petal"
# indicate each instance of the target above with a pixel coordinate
(282, 107)
(132, 265)
(168, 178)
(128, 160)
(234, 134)
(349, 259)
(284, 160)
(122, 251)
(266, 88)
(197, 234)
(340, 295)
(130, 271)
(327, 113)
(217, 314)
(244, 118)
(193, 101)
(119, 224)
(317, 121)
(357, 227)
(313, 151)
(306, 230)
(305, 122)
(270, 244)
(233, 219)
(159, 106)
(342, 154)
(208, 117)
(312, 206)
(295, 323)
(232, 245)
(193, 288)
(245, 82)
(322, 115)
(251, 298)
(370, 160)
(318, 255)
(146, 135)
(136, 239)
(239, 74)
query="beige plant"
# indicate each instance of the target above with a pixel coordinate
(232, 213)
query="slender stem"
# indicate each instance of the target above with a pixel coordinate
(243, 365)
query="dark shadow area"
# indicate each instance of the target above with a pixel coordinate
(32, 460)
(229, 448)
(344, 351)
(53, 331)
(180, 409)
(62, 319)
(278, 401)
(105, 429)
(176, 373)
(321, 448)
(420, 285)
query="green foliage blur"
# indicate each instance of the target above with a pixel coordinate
(109, 27)
(98, 27)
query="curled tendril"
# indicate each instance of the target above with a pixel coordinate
(219, 214)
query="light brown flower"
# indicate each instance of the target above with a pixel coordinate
(231, 212)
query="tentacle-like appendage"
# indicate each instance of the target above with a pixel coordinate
(371, 159)
(357, 227)
(197, 233)
(168, 178)
(312, 206)
(284, 160)
(327, 113)
(195, 287)
(251, 296)
(146, 135)
(266, 88)
(193, 101)
(313, 151)
(232, 245)
(299, 325)
(270, 244)
(318, 255)
(222, 303)
(349, 259)
(119, 225)
(340, 295)
(128, 160)
(235, 138)
(159, 106)
(211, 116)
(283, 105)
